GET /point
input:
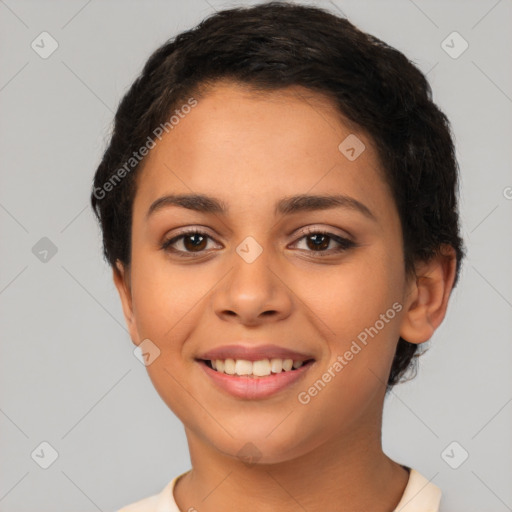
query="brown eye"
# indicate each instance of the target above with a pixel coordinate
(186, 243)
(319, 241)
(193, 242)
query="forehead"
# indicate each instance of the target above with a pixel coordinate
(238, 145)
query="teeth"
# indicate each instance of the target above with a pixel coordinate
(276, 365)
(243, 367)
(260, 368)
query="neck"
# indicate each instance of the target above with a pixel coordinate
(349, 469)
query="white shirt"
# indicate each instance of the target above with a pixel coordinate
(419, 495)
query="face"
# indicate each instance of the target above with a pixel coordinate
(314, 277)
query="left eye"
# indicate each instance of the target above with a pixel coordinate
(316, 241)
(319, 241)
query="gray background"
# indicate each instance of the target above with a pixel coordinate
(68, 375)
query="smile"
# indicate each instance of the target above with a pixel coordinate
(254, 379)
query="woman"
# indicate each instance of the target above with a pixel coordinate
(278, 205)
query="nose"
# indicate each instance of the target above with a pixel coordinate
(254, 291)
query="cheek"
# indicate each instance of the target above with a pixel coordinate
(165, 298)
(353, 295)
(167, 302)
(359, 308)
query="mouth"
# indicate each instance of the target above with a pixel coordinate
(254, 369)
(249, 380)
(249, 371)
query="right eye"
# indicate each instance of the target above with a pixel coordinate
(192, 242)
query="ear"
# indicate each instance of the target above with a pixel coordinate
(428, 294)
(122, 280)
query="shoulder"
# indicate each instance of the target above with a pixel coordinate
(160, 502)
(144, 505)
(420, 495)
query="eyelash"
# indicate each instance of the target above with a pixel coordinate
(344, 243)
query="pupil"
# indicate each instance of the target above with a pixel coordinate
(322, 244)
(193, 245)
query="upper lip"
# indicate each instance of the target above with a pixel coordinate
(253, 353)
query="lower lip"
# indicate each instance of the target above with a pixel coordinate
(246, 387)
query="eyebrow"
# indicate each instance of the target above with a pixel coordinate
(286, 206)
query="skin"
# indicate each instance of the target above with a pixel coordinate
(251, 150)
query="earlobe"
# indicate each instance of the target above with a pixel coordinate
(122, 281)
(428, 296)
